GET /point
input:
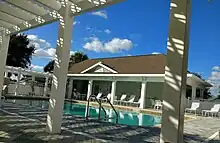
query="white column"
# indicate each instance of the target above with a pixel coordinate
(18, 82)
(56, 102)
(33, 78)
(4, 42)
(6, 74)
(89, 90)
(193, 92)
(201, 93)
(46, 86)
(70, 88)
(176, 72)
(143, 95)
(113, 91)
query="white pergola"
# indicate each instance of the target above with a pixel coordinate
(20, 15)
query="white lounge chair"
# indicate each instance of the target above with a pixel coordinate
(108, 97)
(98, 96)
(137, 104)
(158, 104)
(214, 110)
(123, 97)
(130, 101)
(194, 107)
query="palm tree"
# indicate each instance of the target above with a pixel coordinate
(74, 58)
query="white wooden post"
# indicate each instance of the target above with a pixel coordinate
(4, 42)
(143, 95)
(56, 102)
(176, 72)
(113, 91)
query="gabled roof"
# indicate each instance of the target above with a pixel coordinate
(142, 64)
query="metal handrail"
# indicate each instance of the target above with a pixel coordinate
(116, 113)
(100, 106)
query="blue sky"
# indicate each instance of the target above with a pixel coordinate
(134, 28)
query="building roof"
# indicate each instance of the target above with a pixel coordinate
(142, 64)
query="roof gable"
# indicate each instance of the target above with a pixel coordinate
(99, 68)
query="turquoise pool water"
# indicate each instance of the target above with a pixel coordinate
(125, 117)
(128, 118)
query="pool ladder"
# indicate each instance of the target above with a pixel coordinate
(99, 101)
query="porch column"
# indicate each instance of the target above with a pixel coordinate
(56, 102)
(89, 91)
(18, 82)
(201, 93)
(175, 72)
(46, 86)
(193, 92)
(6, 74)
(143, 94)
(113, 91)
(4, 42)
(70, 88)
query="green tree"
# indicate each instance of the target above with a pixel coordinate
(19, 51)
(74, 58)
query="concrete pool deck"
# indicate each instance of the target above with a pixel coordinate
(22, 123)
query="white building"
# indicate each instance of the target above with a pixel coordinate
(129, 77)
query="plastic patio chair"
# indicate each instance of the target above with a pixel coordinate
(158, 104)
(130, 101)
(123, 97)
(214, 110)
(194, 107)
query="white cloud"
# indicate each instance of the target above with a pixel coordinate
(45, 53)
(107, 31)
(215, 80)
(37, 42)
(156, 53)
(216, 68)
(36, 67)
(116, 45)
(76, 22)
(102, 14)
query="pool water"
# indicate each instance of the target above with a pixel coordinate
(128, 118)
(125, 117)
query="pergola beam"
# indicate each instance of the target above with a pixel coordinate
(29, 7)
(54, 4)
(10, 19)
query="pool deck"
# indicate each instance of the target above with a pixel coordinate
(22, 123)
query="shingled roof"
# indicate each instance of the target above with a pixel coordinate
(142, 64)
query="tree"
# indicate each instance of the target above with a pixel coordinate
(74, 58)
(49, 67)
(19, 51)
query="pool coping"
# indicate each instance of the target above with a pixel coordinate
(123, 108)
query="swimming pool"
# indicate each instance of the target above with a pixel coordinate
(125, 117)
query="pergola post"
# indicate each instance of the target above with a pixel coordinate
(4, 43)
(56, 102)
(143, 94)
(176, 72)
(113, 91)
